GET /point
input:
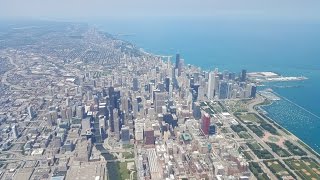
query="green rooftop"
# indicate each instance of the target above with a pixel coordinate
(186, 137)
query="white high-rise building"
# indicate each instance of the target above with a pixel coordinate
(216, 85)
(116, 124)
(15, 132)
(211, 85)
(30, 112)
(200, 93)
(170, 90)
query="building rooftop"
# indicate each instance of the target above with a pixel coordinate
(186, 137)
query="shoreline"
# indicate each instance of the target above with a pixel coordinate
(285, 130)
(272, 121)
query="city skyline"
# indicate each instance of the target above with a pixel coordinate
(74, 95)
(150, 90)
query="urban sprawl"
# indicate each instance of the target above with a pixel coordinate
(76, 103)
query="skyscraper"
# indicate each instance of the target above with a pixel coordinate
(253, 91)
(196, 110)
(178, 66)
(200, 93)
(30, 112)
(149, 136)
(177, 61)
(216, 85)
(205, 123)
(243, 75)
(224, 90)
(116, 124)
(159, 101)
(125, 135)
(211, 83)
(111, 119)
(135, 84)
(15, 132)
(79, 112)
(212, 129)
(167, 84)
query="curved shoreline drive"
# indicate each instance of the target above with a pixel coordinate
(79, 103)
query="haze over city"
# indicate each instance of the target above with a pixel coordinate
(86, 10)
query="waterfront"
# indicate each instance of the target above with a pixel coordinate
(289, 48)
(296, 119)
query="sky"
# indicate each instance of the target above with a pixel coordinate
(91, 9)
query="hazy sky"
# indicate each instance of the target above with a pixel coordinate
(89, 9)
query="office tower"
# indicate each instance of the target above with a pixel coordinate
(117, 100)
(189, 99)
(125, 135)
(161, 87)
(253, 91)
(15, 134)
(69, 113)
(103, 126)
(170, 90)
(54, 116)
(191, 82)
(110, 91)
(79, 112)
(159, 101)
(205, 123)
(196, 110)
(138, 131)
(116, 124)
(150, 87)
(125, 104)
(223, 92)
(211, 83)
(178, 66)
(212, 129)
(135, 84)
(135, 107)
(148, 136)
(177, 61)
(30, 112)
(243, 75)
(200, 93)
(216, 85)
(167, 84)
(230, 87)
(63, 113)
(111, 119)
